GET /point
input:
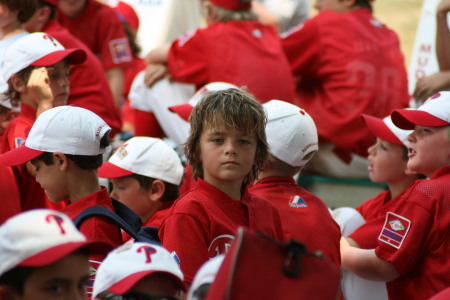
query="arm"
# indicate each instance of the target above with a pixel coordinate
(158, 55)
(115, 78)
(39, 91)
(366, 264)
(443, 35)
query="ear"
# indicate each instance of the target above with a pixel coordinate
(18, 83)
(157, 190)
(61, 160)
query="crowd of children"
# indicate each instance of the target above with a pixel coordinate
(232, 163)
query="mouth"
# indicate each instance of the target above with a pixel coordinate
(370, 168)
(230, 163)
(411, 152)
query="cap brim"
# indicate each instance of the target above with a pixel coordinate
(407, 118)
(56, 253)
(19, 156)
(75, 56)
(183, 110)
(127, 283)
(380, 129)
(109, 170)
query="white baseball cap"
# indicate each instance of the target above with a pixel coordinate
(67, 129)
(205, 275)
(386, 130)
(434, 112)
(184, 110)
(37, 49)
(41, 237)
(128, 264)
(291, 132)
(144, 156)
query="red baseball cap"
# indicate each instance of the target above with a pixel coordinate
(233, 4)
(386, 130)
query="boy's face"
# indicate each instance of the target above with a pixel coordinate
(429, 149)
(7, 16)
(58, 74)
(65, 279)
(128, 191)
(157, 285)
(51, 179)
(386, 162)
(72, 8)
(227, 155)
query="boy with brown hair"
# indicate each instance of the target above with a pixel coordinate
(65, 146)
(412, 248)
(227, 148)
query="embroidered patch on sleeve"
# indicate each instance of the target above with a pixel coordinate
(186, 37)
(120, 50)
(19, 142)
(395, 230)
(298, 201)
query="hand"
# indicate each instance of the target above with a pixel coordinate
(155, 72)
(443, 6)
(38, 87)
(429, 85)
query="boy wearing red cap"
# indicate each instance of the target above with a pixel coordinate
(234, 48)
(36, 68)
(345, 63)
(88, 83)
(37, 250)
(412, 247)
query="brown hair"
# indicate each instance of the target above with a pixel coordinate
(26, 8)
(231, 108)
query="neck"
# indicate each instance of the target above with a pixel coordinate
(399, 187)
(83, 183)
(10, 31)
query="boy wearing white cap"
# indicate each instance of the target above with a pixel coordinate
(38, 248)
(36, 69)
(139, 271)
(146, 174)
(65, 145)
(412, 248)
(388, 159)
(292, 138)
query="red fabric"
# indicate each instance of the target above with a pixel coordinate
(244, 53)
(145, 124)
(374, 213)
(202, 224)
(137, 65)
(188, 180)
(346, 64)
(307, 221)
(10, 204)
(89, 87)
(99, 27)
(422, 258)
(96, 228)
(32, 195)
(444, 295)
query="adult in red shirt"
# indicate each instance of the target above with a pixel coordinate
(234, 48)
(345, 63)
(98, 26)
(88, 84)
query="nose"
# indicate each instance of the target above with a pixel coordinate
(371, 149)
(230, 147)
(113, 193)
(411, 137)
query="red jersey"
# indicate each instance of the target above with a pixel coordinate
(32, 194)
(346, 64)
(95, 228)
(202, 224)
(304, 216)
(244, 53)
(99, 27)
(374, 213)
(10, 204)
(89, 87)
(416, 239)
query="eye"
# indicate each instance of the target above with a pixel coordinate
(244, 142)
(217, 140)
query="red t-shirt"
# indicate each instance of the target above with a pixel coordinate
(32, 194)
(244, 53)
(202, 223)
(304, 216)
(346, 64)
(10, 204)
(89, 87)
(416, 239)
(99, 27)
(374, 213)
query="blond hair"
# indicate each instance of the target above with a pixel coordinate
(233, 109)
